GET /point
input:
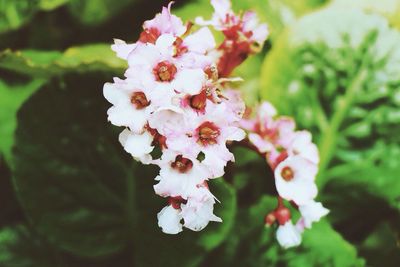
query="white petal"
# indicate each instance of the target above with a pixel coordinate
(127, 115)
(233, 133)
(147, 54)
(138, 145)
(165, 44)
(114, 94)
(122, 49)
(301, 188)
(189, 81)
(216, 158)
(302, 145)
(201, 41)
(262, 145)
(221, 7)
(288, 236)
(169, 220)
(312, 212)
(197, 215)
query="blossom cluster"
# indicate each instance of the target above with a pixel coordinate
(175, 99)
(180, 114)
(294, 159)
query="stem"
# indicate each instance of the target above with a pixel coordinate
(329, 139)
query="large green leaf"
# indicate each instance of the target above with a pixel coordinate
(342, 81)
(80, 189)
(11, 98)
(69, 170)
(93, 57)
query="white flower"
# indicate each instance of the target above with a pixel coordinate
(138, 145)
(312, 212)
(169, 219)
(294, 180)
(179, 175)
(131, 106)
(288, 235)
(198, 211)
(303, 146)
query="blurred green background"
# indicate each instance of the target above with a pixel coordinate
(70, 196)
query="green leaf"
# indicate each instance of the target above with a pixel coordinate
(69, 168)
(19, 246)
(11, 98)
(93, 57)
(92, 12)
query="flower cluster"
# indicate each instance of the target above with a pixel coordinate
(243, 35)
(179, 114)
(294, 159)
(174, 99)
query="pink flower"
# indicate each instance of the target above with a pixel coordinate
(165, 22)
(199, 210)
(206, 133)
(131, 106)
(179, 175)
(243, 35)
(259, 32)
(294, 180)
(173, 98)
(163, 74)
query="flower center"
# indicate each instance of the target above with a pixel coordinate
(139, 100)
(198, 102)
(176, 202)
(287, 174)
(182, 164)
(159, 139)
(180, 49)
(149, 36)
(208, 133)
(165, 71)
(212, 72)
